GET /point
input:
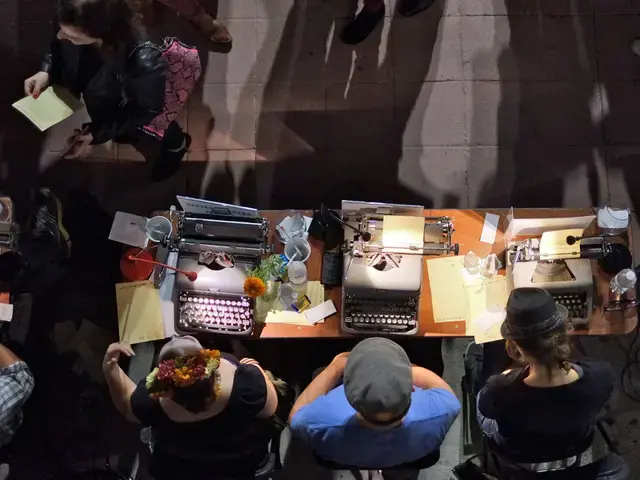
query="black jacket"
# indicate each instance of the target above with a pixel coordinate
(122, 96)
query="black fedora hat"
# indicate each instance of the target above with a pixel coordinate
(532, 311)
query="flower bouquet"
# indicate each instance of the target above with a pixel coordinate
(260, 282)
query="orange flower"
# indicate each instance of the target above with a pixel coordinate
(254, 287)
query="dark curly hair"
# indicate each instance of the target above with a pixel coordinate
(112, 21)
(551, 350)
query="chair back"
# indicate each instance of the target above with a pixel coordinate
(422, 463)
(609, 467)
(572, 450)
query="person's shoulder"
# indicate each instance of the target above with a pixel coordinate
(595, 368)
(596, 372)
(328, 411)
(435, 401)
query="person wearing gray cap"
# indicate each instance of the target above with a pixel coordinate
(208, 412)
(372, 408)
(547, 403)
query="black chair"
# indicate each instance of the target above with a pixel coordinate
(422, 463)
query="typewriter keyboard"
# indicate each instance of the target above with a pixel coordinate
(226, 314)
(576, 303)
(384, 316)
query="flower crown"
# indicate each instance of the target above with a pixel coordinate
(182, 372)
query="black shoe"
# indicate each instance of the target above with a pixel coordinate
(46, 222)
(408, 8)
(168, 163)
(361, 27)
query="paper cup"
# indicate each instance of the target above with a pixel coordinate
(297, 249)
(158, 228)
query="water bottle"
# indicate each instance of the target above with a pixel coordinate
(623, 281)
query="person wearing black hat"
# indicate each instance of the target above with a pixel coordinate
(372, 408)
(547, 403)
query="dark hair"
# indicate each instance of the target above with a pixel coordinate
(551, 350)
(197, 397)
(112, 21)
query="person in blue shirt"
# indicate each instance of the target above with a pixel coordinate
(372, 409)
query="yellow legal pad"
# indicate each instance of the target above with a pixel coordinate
(53, 106)
(139, 312)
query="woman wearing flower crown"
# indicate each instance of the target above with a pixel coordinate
(206, 410)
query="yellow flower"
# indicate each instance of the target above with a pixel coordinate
(254, 287)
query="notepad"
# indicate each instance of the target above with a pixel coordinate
(402, 231)
(54, 105)
(139, 312)
(459, 296)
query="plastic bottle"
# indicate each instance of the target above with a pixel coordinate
(623, 281)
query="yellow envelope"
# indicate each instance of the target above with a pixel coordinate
(53, 106)
(139, 312)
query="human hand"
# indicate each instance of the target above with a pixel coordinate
(35, 85)
(113, 353)
(78, 144)
(339, 362)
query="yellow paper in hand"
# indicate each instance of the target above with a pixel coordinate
(54, 105)
(553, 245)
(447, 289)
(139, 312)
(402, 231)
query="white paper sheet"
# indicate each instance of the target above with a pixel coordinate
(490, 228)
(129, 229)
(324, 310)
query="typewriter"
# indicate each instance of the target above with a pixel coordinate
(566, 273)
(383, 264)
(219, 242)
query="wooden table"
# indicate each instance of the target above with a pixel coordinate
(468, 225)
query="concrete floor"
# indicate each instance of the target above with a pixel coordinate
(474, 103)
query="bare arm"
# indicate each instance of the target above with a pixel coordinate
(121, 387)
(271, 404)
(426, 379)
(7, 357)
(326, 381)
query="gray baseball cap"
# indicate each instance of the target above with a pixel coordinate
(179, 347)
(378, 378)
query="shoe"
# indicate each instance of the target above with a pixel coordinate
(213, 29)
(635, 46)
(169, 162)
(408, 8)
(361, 27)
(46, 222)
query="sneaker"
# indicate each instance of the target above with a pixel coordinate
(169, 162)
(46, 222)
(408, 8)
(361, 27)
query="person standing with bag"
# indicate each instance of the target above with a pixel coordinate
(101, 54)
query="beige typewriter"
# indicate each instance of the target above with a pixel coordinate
(219, 242)
(561, 263)
(383, 264)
